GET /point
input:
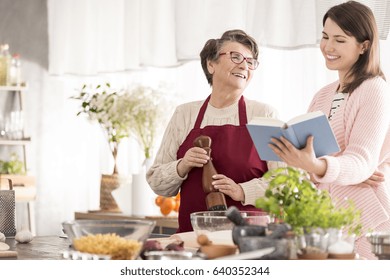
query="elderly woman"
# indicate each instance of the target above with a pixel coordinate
(229, 64)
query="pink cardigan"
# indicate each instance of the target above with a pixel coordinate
(362, 128)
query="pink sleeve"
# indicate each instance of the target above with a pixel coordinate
(366, 124)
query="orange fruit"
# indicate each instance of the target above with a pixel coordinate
(167, 206)
(159, 200)
(177, 206)
(177, 197)
(165, 211)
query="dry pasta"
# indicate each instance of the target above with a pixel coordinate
(111, 244)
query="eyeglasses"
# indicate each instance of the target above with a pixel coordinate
(238, 58)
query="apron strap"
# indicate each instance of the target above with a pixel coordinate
(201, 113)
(242, 111)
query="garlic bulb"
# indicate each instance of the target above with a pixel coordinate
(4, 246)
(2, 237)
(24, 236)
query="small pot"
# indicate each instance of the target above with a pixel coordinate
(313, 256)
(380, 244)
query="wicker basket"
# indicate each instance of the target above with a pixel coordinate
(109, 183)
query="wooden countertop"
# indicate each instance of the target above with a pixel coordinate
(45, 247)
(41, 248)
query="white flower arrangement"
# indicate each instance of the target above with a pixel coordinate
(139, 111)
(148, 115)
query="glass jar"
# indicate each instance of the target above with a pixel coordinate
(15, 72)
(5, 61)
(340, 242)
(313, 244)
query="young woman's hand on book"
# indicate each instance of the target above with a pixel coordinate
(304, 158)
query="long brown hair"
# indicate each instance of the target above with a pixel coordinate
(212, 47)
(357, 20)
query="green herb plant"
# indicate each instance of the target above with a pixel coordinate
(292, 198)
(13, 166)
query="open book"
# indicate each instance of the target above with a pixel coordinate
(296, 130)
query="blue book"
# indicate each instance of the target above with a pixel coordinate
(296, 130)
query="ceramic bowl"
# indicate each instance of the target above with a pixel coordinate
(218, 228)
(121, 239)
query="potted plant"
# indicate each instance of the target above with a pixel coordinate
(112, 110)
(343, 226)
(292, 198)
(133, 112)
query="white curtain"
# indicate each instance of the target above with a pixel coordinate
(87, 37)
(93, 41)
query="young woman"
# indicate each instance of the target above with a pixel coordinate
(358, 106)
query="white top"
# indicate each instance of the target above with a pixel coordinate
(338, 100)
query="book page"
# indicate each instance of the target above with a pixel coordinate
(304, 117)
(267, 122)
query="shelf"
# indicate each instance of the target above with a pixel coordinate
(20, 180)
(13, 88)
(9, 142)
(25, 190)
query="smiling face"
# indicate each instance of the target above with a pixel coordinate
(227, 74)
(340, 50)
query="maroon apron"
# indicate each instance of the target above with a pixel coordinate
(233, 154)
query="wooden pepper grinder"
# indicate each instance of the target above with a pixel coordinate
(215, 200)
